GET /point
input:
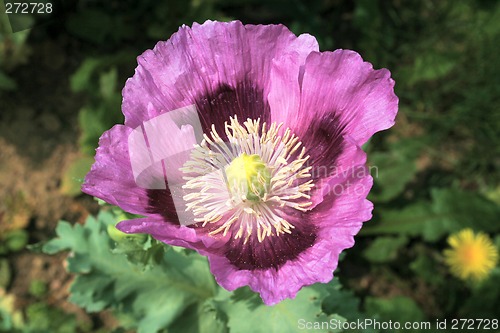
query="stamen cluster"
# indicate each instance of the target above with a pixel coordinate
(273, 167)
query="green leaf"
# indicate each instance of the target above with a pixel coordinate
(493, 194)
(484, 301)
(449, 211)
(496, 241)
(107, 83)
(74, 174)
(140, 249)
(400, 308)
(291, 315)
(410, 220)
(459, 209)
(99, 72)
(93, 122)
(200, 318)
(16, 240)
(6, 83)
(43, 318)
(426, 267)
(384, 249)
(38, 288)
(391, 172)
(343, 302)
(431, 66)
(5, 273)
(21, 21)
(82, 78)
(69, 237)
(154, 297)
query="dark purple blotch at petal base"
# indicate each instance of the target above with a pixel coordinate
(324, 141)
(161, 202)
(274, 251)
(245, 100)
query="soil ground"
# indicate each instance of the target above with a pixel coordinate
(38, 141)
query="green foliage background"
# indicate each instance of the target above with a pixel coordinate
(436, 171)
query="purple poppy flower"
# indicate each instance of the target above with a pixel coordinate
(242, 142)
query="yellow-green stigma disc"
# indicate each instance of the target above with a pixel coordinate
(248, 175)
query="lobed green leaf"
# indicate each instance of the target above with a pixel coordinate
(154, 296)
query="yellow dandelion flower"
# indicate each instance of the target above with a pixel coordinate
(471, 256)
